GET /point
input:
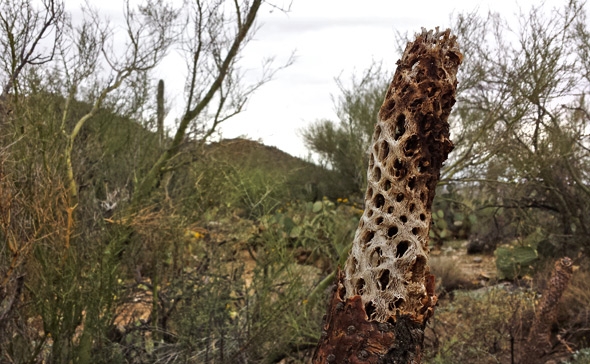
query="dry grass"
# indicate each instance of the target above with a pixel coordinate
(491, 325)
(449, 275)
(574, 312)
(479, 327)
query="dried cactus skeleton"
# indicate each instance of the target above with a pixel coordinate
(385, 294)
(539, 340)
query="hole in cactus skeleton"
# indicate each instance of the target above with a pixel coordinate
(342, 293)
(416, 103)
(384, 279)
(379, 200)
(360, 286)
(376, 257)
(368, 237)
(412, 183)
(387, 109)
(384, 149)
(411, 146)
(377, 172)
(370, 310)
(387, 185)
(392, 231)
(399, 170)
(400, 126)
(401, 248)
(397, 303)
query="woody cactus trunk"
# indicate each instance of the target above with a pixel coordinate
(385, 294)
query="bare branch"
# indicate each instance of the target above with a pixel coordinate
(22, 28)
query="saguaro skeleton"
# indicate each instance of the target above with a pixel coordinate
(386, 292)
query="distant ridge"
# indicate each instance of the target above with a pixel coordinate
(317, 180)
(247, 148)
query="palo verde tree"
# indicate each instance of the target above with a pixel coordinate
(343, 145)
(217, 31)
(29, 38)
(521, 125)
(101, 75)
(57, 75)
(61, 79)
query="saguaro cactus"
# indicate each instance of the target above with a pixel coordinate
(160, 112)
(386, 293)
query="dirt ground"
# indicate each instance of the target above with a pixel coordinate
(478, 268)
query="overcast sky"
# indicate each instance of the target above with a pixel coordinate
(329, 38)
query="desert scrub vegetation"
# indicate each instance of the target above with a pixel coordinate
(449, 275)
(121, 242)
(484, 326)
(491, 324)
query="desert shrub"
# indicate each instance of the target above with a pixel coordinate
(242, 306)
(449, 275)
(227, 187)
(229, 290)
(318, 233)
(574, 313)
(581, 356)
(479, 327)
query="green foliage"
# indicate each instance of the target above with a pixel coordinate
(515, 261)
(454, 215)
(226, 254)
(343, 146)
(581, 356)
(320, 233)
(519, 259)
(516, 146)
(248, 179)
(246, 296)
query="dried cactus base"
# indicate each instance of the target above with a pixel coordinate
(348, 336)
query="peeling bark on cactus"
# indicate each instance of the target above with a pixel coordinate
(385, 294)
